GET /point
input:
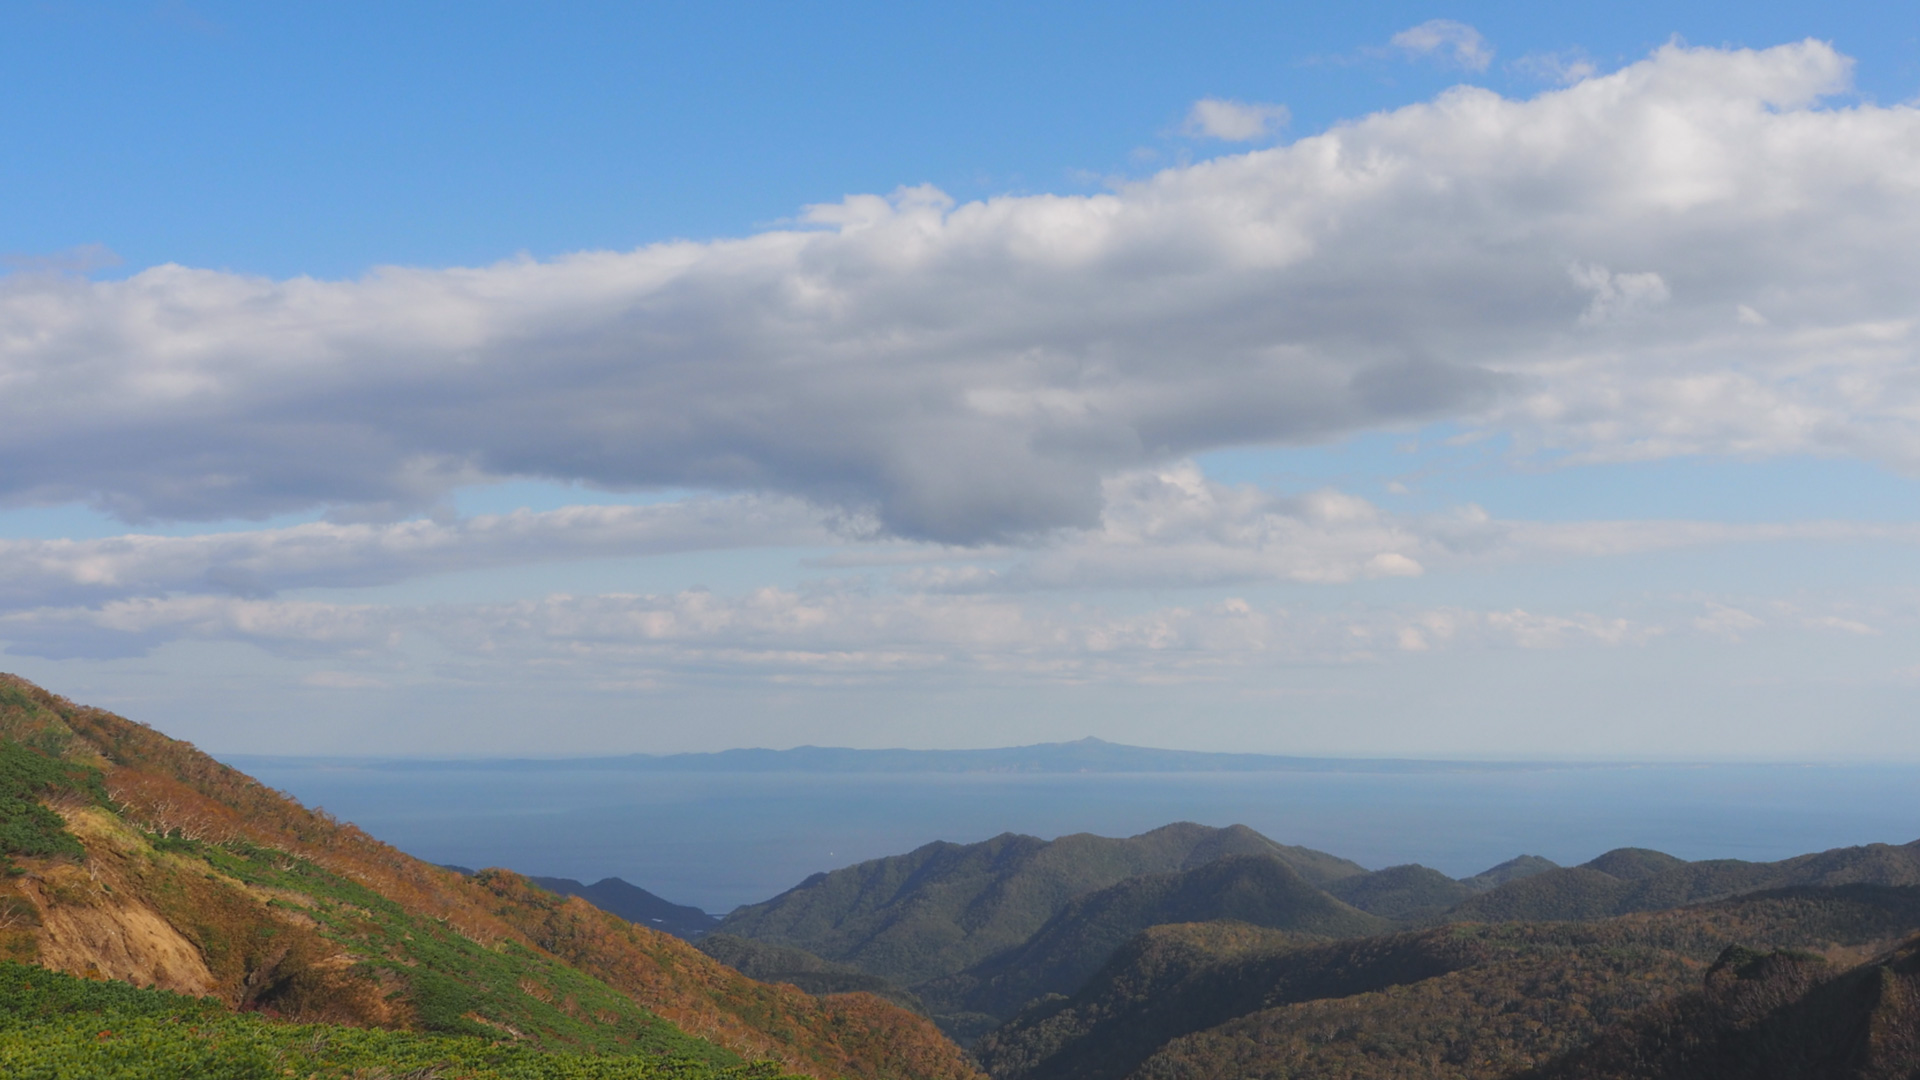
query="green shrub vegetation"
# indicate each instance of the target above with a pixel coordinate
(27, 776)
(143, 859)
(57, 1027)
(454, 984)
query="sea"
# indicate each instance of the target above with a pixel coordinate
(720, 839)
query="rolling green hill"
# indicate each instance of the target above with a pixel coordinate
(1402, 893)
(944, 907)
(1258, 890)
(1634, 864)
(1513, 869)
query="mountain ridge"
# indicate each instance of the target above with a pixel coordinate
(1088, 754)
(1643, 880)
(1252, 889)
(900, 917)
(636, 905)
(179, 871)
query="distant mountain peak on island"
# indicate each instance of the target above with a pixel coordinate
(1085, 755)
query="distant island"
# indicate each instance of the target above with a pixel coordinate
(164, 914)
(1088, 755)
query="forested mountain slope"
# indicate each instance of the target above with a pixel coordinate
(142, 859)
(944, 907)
(1522, 866)
(1402, 893)
(1782, 1015)
(1634, 879)
(797, 967)
(1460, 1002)
(1257, 890)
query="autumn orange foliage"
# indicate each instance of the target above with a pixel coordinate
(262, 956)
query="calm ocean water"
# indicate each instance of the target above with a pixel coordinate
(717, 840)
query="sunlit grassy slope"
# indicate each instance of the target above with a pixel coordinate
(136, 858)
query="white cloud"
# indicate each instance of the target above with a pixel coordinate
(323, 554)
(1459, 43)
(781, 635)
(1158, 528)
(1726, 621)
(979, 371)
(1530, 630)
(1841, 625)
(1174, 527)
(1617, 296)
(343, 680)
(1234, 121)
(1564, 67)
(133, 627)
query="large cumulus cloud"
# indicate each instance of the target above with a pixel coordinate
(1686, 256)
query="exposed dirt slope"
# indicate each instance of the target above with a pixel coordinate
(194, 876)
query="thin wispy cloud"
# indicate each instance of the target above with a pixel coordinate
(1453, 42)
(261, 562)
(1234, 121)
(1563, 67)
(697, 635)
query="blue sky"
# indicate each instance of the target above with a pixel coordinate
(1502, 380)
(328, 138)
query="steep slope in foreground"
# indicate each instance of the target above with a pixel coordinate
(1463, 1002)
(1770, 1016)
(159, 866)
(58, 1027)
(944, 907)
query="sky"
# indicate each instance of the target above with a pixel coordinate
(1488, 381)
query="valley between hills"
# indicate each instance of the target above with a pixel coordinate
(165, 915)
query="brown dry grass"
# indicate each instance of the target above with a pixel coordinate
(257, 956)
